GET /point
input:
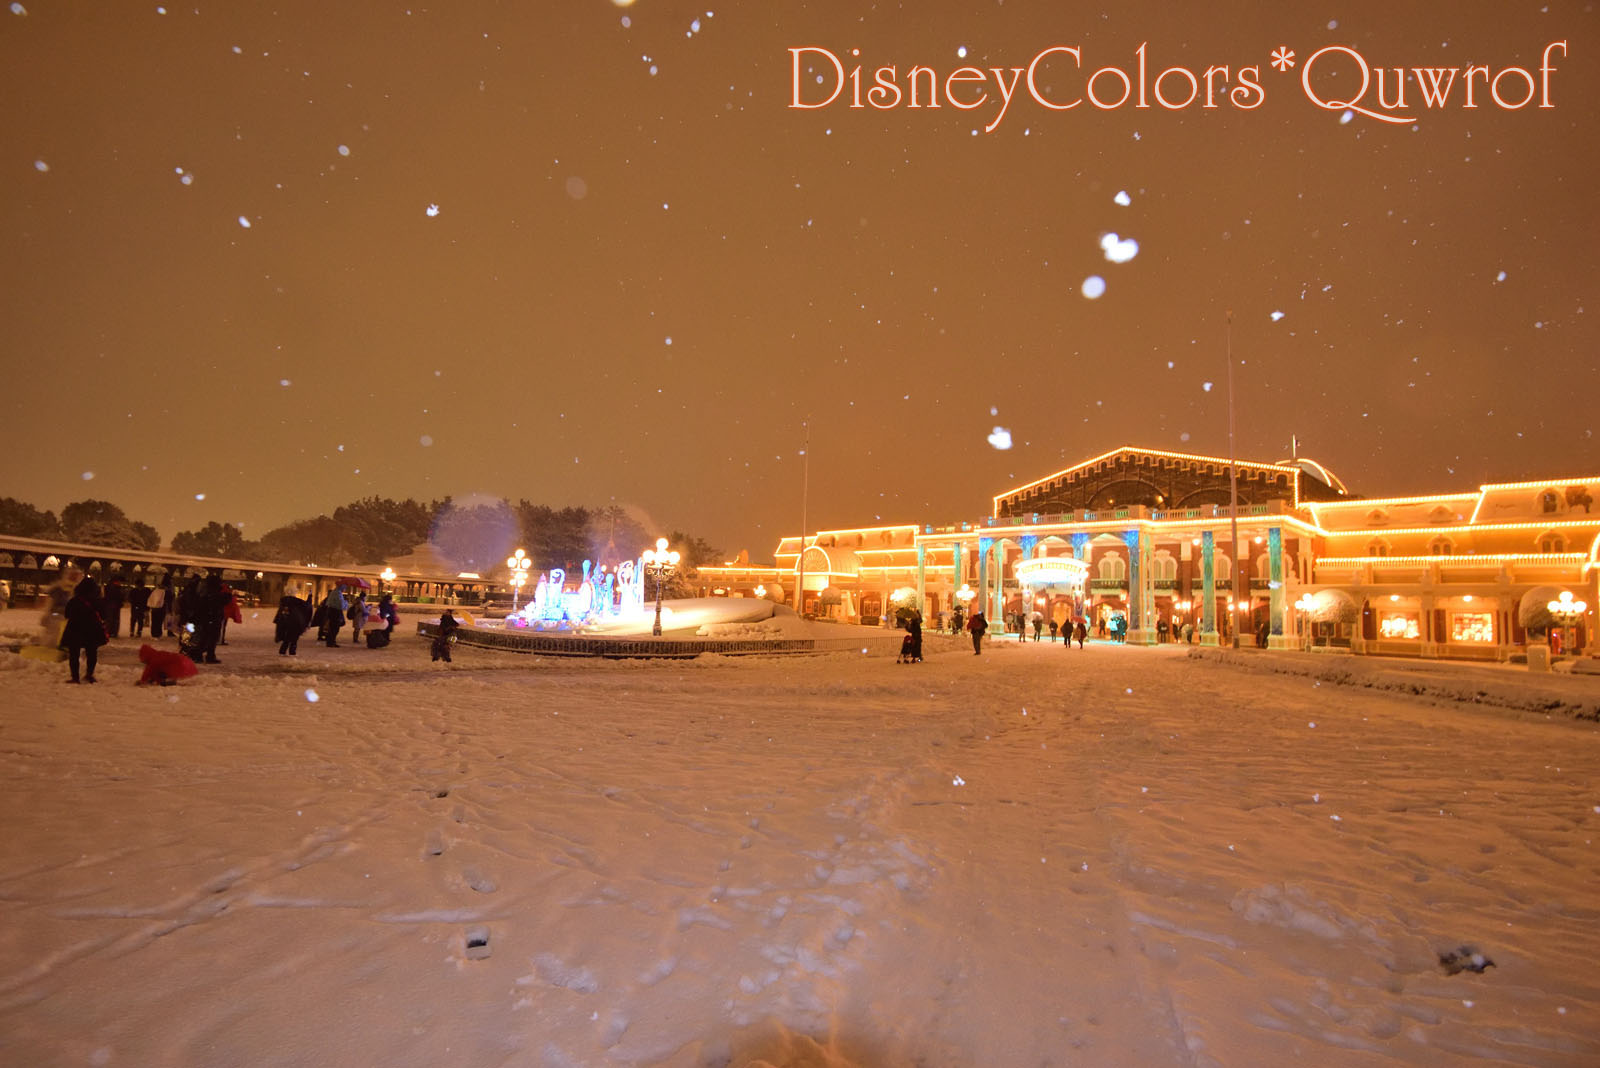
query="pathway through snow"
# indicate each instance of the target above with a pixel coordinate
(1108, 856)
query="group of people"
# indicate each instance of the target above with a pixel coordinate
(296, 616)
(977, 626)
(81, 616)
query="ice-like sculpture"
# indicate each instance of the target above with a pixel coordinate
(601, 597)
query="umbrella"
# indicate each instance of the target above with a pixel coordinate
(363, 583)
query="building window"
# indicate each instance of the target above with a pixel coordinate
(1399, 625)
(1377, 517)
(1549, 502)
(1378, 548)
(1113, 566)
(1163, 567)
(1472, 626)
(1552, 543)
(1440, 547)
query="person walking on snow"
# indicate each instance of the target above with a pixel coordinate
(446, 636)
(85, 631)
(976, 625)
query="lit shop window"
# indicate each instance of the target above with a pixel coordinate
(1399, 625)
(1472, 626)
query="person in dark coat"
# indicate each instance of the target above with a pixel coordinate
(115, 594)
(976, 625)
(1082, 632)
(294, 616)
(333, 609)
(378, 637)
(85, 631)
(210, 607)
(447, 634)
(388, 613)
(138, 609)
(914, 632)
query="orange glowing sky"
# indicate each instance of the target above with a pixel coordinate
(645, 271)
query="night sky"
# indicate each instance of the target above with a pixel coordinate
(286, 256)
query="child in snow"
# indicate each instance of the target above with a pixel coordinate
(164, 668)
(446, 636)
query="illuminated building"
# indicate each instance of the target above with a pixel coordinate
(1462, 575)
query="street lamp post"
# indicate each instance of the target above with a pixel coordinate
(659, 563)
(518, 565)
(385, 580)
(1565, 613)
(1303, 608)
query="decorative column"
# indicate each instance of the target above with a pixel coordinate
(1208, 583)
(1275, 591)
(983, 579)
(922, 578)
(1430, 640)
(1141, 591)
(1080, 551)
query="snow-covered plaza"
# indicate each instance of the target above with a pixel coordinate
(1108, 856)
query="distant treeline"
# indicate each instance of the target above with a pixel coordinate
(376, 530)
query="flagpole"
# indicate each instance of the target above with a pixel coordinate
(805, 494)
(1233, 497)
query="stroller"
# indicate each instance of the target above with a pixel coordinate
(907, 650)
(378, 639)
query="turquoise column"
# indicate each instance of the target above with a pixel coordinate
(1208, 581)
(955, 568)
(1141, 589)
(1275, 584)
(922, 577)
(1080, 550)
(983, 577)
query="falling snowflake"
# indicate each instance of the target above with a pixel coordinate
(1000, 438)
(244, 222)
(958, 781)
(1277, 315)
(41, 166)
(311, 695)
(344, 150)
(18, 9)
(87, 475)
(1123, 198)
(426, 439)
(1119, 250)
(431, 210)
(1206, 386)
(1094, 287)
(199, 496)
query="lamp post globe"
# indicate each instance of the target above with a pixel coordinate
(518, 564)
(1565, 613)
(659, 562)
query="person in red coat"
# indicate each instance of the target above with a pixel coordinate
(976, 626)
(164, 668)
(85, 631)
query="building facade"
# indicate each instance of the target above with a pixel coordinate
(1145, 542)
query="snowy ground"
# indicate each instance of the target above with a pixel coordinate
(1113, 857)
